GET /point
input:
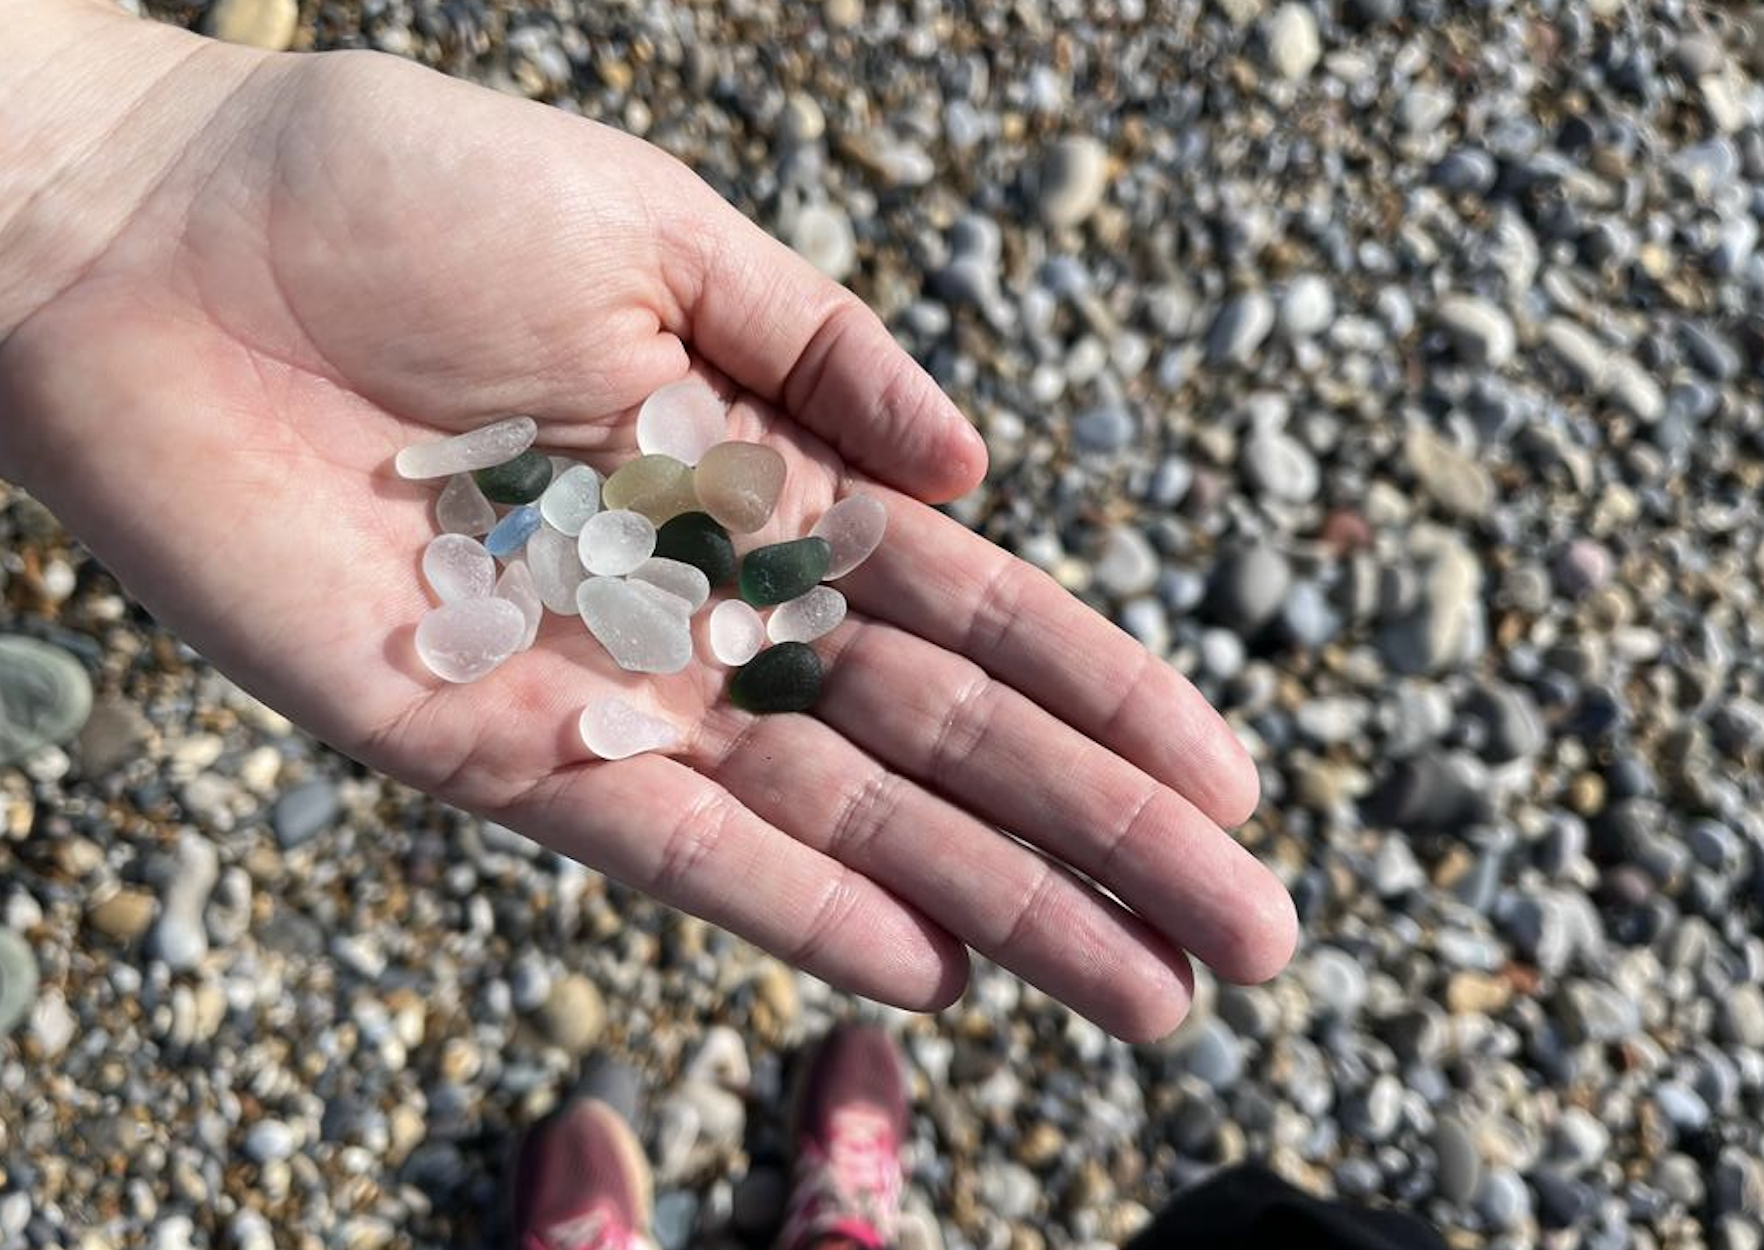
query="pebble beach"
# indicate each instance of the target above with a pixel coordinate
(1395, 368)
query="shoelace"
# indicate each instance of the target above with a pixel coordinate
(852, 1188)
(595, 1229)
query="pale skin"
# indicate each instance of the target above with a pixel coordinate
(234, 284)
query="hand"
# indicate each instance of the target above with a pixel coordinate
(326, 258)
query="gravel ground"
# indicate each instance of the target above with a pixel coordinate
(1391, 365)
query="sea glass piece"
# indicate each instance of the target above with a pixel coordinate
(853, 528)
(736, 632)
(660, 487)
(475, 449)
(784, 678)
(613, 543)
(513, 531)
(679, 606)
(462, 509)
(520, 480)
(693, 538)
(781, 572)
(517, 586)
(806, 617)
(458, 568)
(677, 578)
(634, 622)
(614, 730)
(572, 497)
(557, 569)
(683, 419)
(739, 484)
(463, 641)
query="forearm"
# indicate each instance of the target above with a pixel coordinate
(94, 109)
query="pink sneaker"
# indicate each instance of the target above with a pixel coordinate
(850, 1119)
(582, 1182)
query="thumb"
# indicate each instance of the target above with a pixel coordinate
(782, 329)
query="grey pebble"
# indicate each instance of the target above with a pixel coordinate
(1127, 565)
(45, 697)
(18, 980)
(1248, 586)
(1211, 1052)
(1107, 429)
(1242, 326)
(1459, 1163)
(179, 937)
(1074, 178)
(305, 811)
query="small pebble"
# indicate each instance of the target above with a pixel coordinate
(45, 697)
(304, 812)
(1074, 179)
(266, 24)
(18, 980)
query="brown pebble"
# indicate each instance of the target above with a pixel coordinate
(124, 916)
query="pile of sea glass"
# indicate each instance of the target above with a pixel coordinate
(636, 556)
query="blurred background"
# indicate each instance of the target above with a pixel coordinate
(1392, 366)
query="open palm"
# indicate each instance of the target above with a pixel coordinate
(354, 255)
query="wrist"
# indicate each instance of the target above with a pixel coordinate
(95, 108)
(98, 110)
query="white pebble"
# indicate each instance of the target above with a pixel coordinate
(458, 568)
(807, 617)
(475, 449)
(736, 632)
(572, 497)
(634, 621)
(557, 569)
(853, 527)
(613, 543)
(614, 730)
(677, 578)
(466, 640)
(462, 509)
(517, 586)
(683, 419)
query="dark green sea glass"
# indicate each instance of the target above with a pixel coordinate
(521, 480)
(784, 678)
(781, 572)
(695, 539)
